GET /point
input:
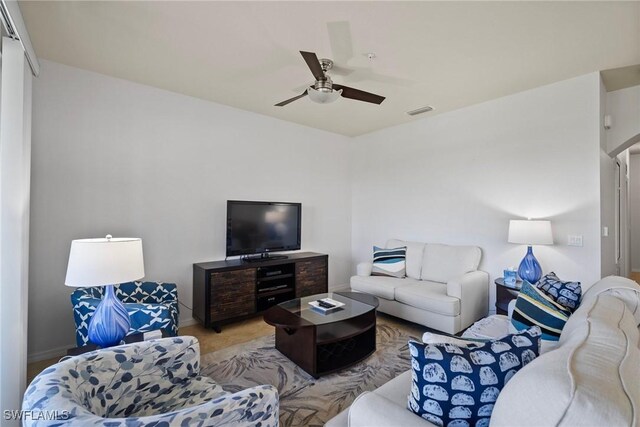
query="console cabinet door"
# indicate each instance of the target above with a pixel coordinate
(233, 294)
(311, 277)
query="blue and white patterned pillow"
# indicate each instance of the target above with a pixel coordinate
(458, 386)
(567, 294)
(389, 262)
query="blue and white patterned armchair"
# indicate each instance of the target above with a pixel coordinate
(150, 383)
(151, 306)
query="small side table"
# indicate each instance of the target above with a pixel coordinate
(138, 337)
(505, 293)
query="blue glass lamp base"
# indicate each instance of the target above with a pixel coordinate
(110, 322)
(529, 268)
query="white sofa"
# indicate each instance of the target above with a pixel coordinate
(590, 379)
(443, 290)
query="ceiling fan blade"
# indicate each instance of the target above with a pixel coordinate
(283, 103)
(360, 95)
(314, 64)
(303, 87)
(340, 41)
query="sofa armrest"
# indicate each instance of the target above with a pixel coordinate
(247, 408)
(372, 410)
(364, 269)
(472, 289)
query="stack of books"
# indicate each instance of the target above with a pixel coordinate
(326, 305)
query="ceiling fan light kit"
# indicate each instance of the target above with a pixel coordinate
(323, 96)
(324, 91)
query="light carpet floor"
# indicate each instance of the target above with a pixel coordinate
(305, 401)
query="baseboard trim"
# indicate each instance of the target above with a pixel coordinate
(49, 354)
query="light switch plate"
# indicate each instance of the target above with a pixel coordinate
(605, 231)
(575, 240)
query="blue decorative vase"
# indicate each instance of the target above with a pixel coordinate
(110, 322)
(529, 268)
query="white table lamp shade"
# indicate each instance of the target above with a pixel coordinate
(105, 261)
(530, 232)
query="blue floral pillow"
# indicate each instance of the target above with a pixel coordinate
(567, 294)
(458, 386)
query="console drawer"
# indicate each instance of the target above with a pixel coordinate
(269, 301)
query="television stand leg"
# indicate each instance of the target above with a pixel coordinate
(216, 328)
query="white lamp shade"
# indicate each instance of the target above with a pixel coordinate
(322, 97)
(108, 261)
(530, 232)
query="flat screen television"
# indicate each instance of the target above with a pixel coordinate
(262, 227)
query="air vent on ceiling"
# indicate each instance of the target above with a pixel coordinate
(420, 110)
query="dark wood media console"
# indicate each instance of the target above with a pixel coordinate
(224, 291)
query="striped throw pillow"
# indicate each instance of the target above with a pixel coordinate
(389, 262)
(535, 308)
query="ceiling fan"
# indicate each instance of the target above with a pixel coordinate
(324, 90)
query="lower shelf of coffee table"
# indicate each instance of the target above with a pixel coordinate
(321, 349)
(339, 354)
(332, 332)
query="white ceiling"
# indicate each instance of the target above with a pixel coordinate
(621, 78)
(245, 54)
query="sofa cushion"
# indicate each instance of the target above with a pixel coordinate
(430, 296)
(380, 286)
(459, 385)
(389, 262)
(415, 251)
(592, 378)
(567, 294)
(397, 389)
(182, 394)
(534, 307)
(441, 263)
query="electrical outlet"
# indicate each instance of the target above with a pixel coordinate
(575, 240)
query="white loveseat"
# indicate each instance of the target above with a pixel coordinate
(443, 290)
(590, 379)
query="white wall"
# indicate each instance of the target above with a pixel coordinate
(15, 164)
(634, 209)
(459, 177)
(624, 108)
(111, 156)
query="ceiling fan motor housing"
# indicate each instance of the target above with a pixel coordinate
(325, 85)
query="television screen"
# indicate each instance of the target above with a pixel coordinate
(259, 227)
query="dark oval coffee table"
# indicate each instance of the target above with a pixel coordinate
(324, 343)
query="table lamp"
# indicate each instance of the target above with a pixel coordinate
(530, 232)
(106, 262)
